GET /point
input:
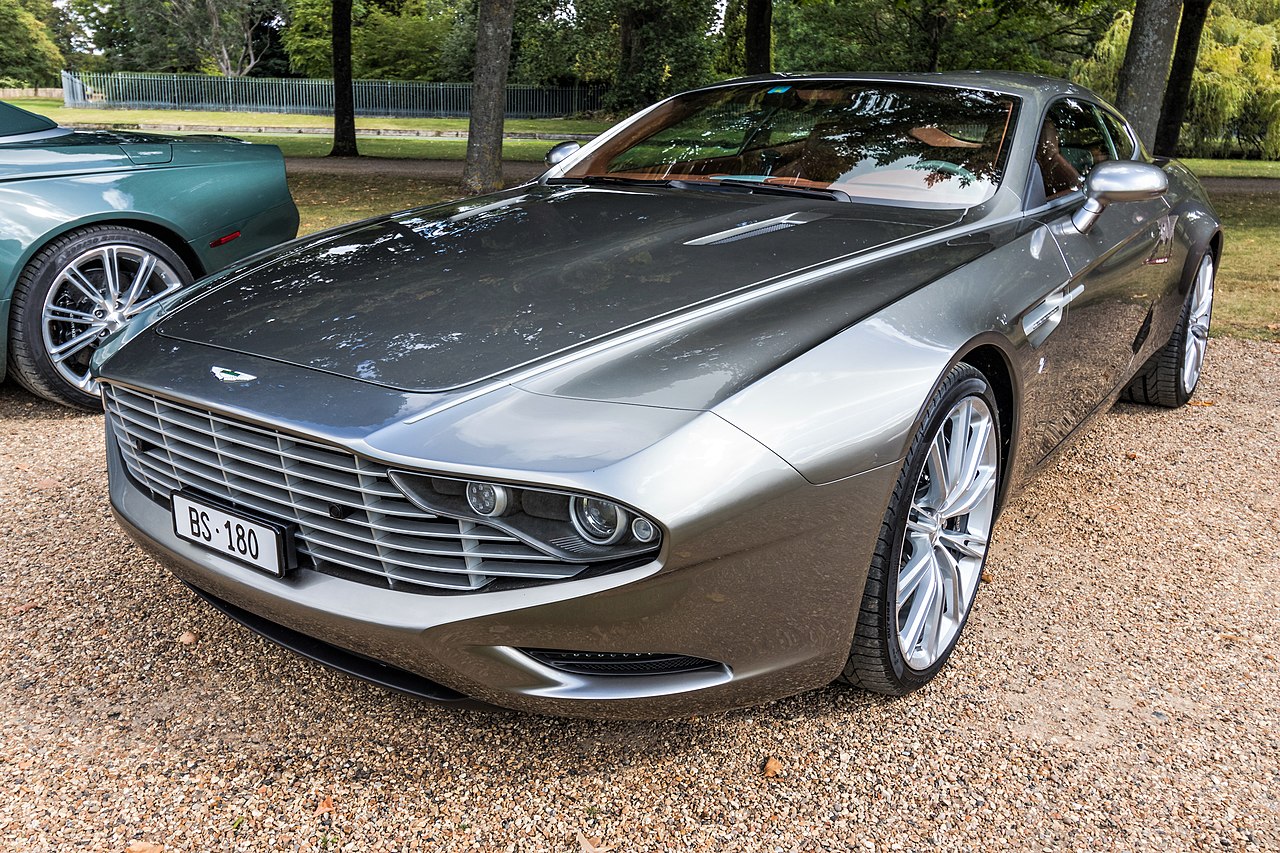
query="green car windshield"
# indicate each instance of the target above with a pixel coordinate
(15, 121)
(878, 142)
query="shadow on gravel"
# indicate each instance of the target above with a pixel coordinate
(19, 404)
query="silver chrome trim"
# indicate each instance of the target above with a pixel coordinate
(349, 514)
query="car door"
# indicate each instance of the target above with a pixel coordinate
(1098, 319)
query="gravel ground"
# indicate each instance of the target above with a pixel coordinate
(1116, 689)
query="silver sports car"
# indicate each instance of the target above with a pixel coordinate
(721, 408)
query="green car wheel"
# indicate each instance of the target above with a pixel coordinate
(77, 291)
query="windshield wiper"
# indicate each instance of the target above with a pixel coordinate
(614, 179)
(782, 189)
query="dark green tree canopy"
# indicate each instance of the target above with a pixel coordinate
(28, 55)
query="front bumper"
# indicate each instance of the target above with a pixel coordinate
(776, 610)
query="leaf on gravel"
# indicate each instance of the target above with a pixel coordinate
(1131, 455)
(772, 768)
(187, 638)
(24, 608)
(591, 845)
(144, 847)
(1201, 402)
(324, 806)
(987, 577)
(48, 485)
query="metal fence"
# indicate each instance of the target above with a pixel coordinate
(283, 95)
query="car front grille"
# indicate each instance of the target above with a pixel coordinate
(350, 519)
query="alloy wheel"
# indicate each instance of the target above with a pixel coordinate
(1199, 313)
(93, 296)
(948, 528)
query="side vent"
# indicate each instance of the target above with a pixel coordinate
(756, 229)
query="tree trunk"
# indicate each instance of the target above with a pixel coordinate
(483, 172)
(344, 101)
(1146, 65)
(758, 38)
(1174, 108)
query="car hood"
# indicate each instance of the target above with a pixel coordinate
(439, 298)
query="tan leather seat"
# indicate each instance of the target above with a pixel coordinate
(1059, 175)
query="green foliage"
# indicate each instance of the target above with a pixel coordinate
(1235, 93)
(730, 42)
(402, 44)
(28, 55)
(1042, 36)
(307, 37)
(207, 36)
(662, 48)
(403, 40)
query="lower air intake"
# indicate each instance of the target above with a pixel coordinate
(619, 663)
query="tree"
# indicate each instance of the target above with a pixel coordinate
(1174, 108)
(758, 37)
(65, 29)
(403, 43)
(344, 102)
(1143, 76)
(483, 170)
(1234, 105)
(1041, 36)
(27, 55)
(662, 48)
(227, 33)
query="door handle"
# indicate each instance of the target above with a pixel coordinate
(1043, 317)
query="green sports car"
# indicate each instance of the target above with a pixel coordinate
(97, 225)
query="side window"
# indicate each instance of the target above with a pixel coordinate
(1120, 137)
(1071, 142)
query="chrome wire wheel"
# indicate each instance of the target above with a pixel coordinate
(93, 295)
(947, 531)
(1199, 313)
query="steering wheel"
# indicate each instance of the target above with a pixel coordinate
(945, 166)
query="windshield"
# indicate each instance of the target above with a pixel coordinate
(890, 143)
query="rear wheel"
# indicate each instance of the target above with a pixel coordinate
(1170, 377)
(76, 291)
(933, 541)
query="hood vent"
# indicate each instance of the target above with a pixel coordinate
(755, 229)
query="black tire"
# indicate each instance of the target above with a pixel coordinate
(876, 661)
(1162, 380)
(30, 358)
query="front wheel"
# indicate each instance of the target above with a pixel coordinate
(76, 291)
(933, 541)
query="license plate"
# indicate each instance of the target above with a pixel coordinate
(231, 533)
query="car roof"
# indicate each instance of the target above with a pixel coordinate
(15, 121)
(1035, 87)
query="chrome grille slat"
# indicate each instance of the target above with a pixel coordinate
(168, 446)
(260, 440)
(189, 437)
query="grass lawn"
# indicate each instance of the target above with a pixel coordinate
(299, 145)
(54, 109)
(1234, 168)
(1247, 302)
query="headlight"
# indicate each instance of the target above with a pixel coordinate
(599, 522)
(571, 527)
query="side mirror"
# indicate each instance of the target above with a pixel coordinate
(562, 152)
(1118, 180)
